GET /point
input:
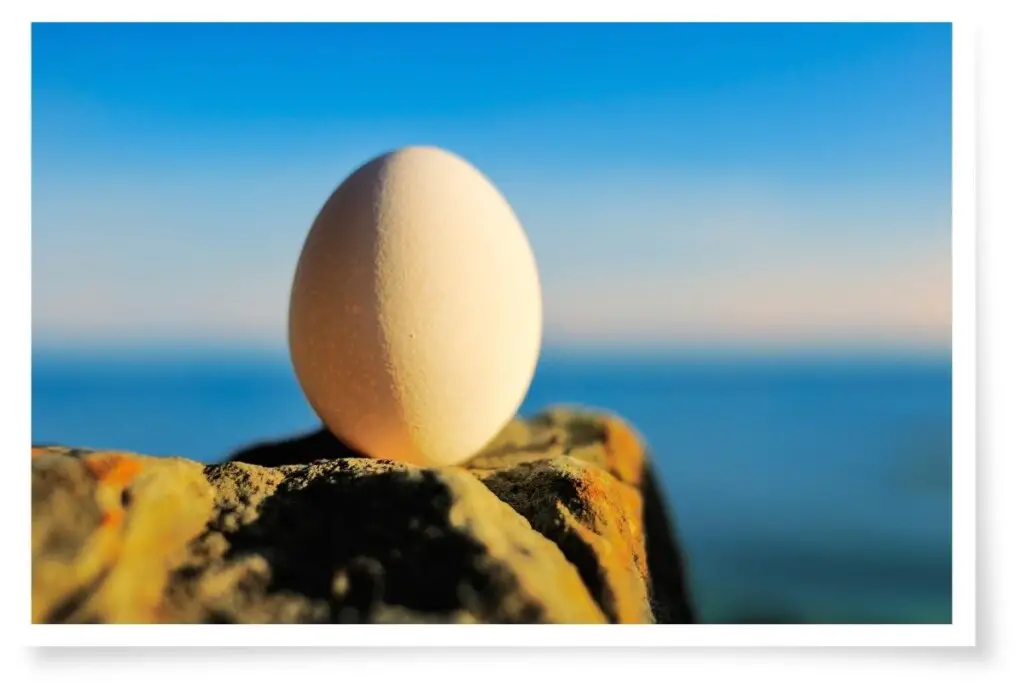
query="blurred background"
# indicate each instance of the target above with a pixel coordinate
(743, 235)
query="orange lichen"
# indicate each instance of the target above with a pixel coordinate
(625, 450)
(118, 469)
(112, 518)
(621, 588)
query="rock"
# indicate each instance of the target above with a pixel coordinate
(558, 520)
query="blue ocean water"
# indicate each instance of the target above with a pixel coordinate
(803, 490)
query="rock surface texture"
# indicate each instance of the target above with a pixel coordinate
(558, 520)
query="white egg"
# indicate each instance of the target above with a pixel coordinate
(415, 316)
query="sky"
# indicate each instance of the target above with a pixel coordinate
(682, 185)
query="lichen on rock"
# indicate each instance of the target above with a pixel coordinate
(555, 521)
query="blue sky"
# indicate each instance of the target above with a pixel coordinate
(682, 185)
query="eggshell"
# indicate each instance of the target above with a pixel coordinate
(415, 315)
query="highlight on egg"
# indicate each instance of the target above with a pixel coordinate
(415, 316)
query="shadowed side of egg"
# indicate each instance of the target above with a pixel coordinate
(415, 316)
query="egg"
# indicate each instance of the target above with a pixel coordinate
(415, 318)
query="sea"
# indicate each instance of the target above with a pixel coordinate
(803, 489)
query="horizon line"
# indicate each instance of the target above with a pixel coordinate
(559, 351)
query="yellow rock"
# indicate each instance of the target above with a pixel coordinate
(556, 521)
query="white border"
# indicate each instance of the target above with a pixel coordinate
(545, 635)
(522, 10)
(961, 632)
(964, 245)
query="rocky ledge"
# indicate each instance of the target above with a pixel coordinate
(558, 520)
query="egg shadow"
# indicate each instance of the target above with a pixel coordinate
(319, 444)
